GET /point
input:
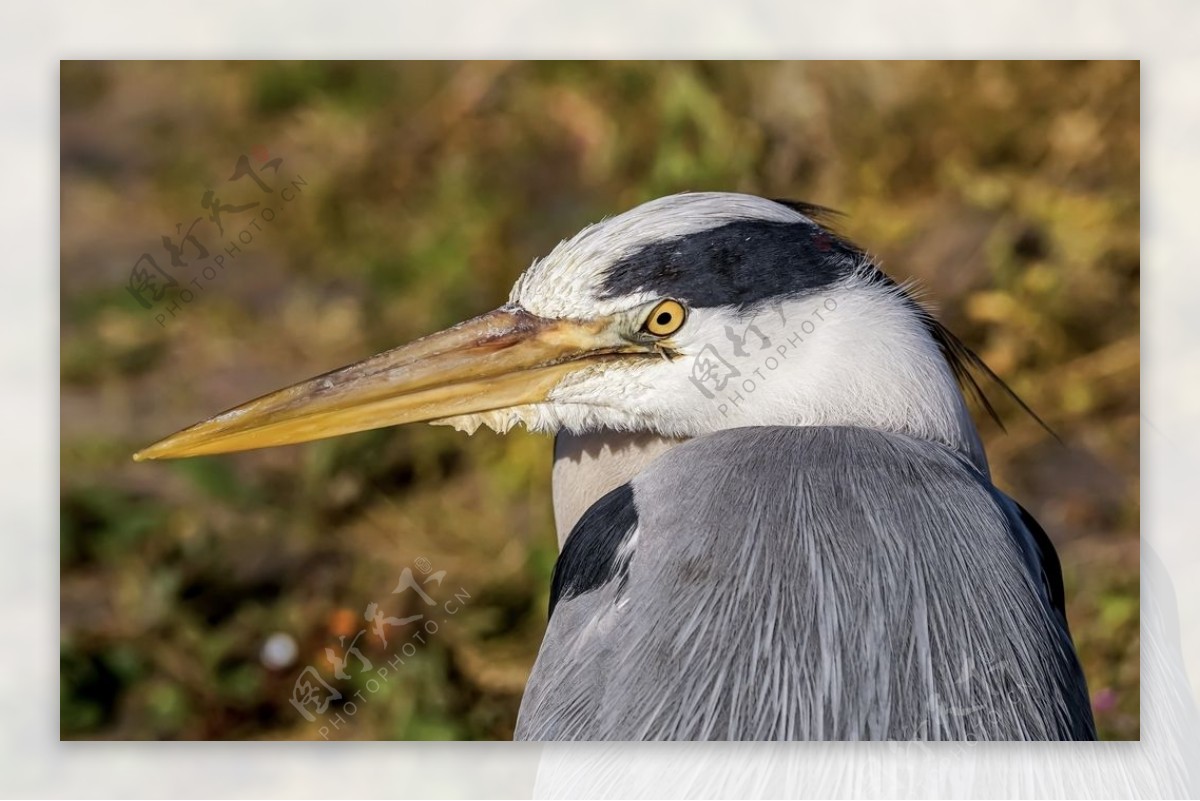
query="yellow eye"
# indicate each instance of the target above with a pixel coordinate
(665, 319)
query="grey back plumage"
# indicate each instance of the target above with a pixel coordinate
(808, 583)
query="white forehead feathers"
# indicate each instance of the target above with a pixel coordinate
(568, 281)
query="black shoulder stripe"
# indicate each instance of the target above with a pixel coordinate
(591, 556)
(1051, 567)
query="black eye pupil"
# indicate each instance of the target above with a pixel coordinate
(663, 318)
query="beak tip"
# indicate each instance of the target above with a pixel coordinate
(152, 452)
(472, 372)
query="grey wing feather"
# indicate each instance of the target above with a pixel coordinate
(817, 584)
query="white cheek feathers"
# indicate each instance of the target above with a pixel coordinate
(785, 325)
(854, 355)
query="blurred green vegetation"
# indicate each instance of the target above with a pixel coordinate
(1009, 190)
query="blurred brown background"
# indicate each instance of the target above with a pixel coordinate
(419, 191)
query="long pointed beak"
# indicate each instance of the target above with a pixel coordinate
(505, 358)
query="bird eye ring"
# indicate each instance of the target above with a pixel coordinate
(665, 319)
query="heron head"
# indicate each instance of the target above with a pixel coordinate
(685, 315)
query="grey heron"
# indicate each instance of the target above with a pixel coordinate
(775, 513)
